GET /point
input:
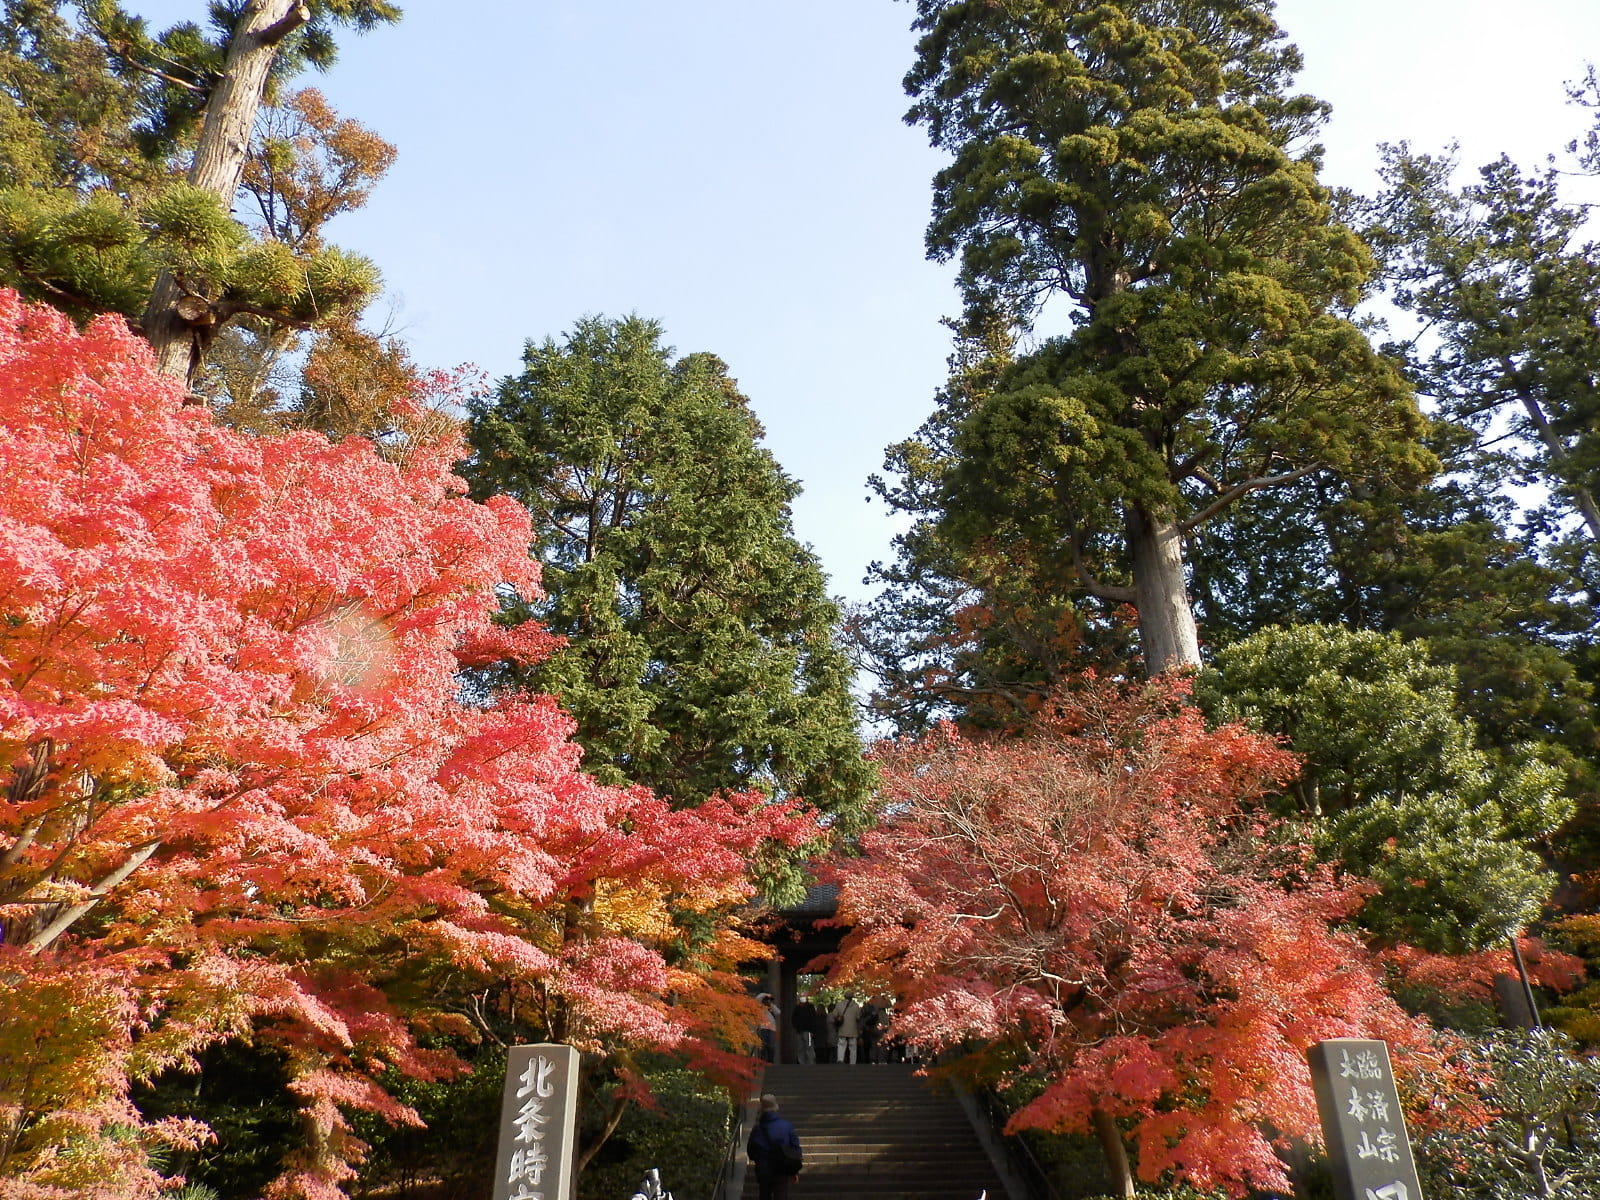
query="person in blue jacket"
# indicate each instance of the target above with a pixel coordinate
(774, 1150)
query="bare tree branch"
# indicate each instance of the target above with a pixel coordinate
(1240, 489)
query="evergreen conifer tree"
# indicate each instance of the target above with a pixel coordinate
(1393, 783)
(123, 151)
(702, 651)
(1145, 166)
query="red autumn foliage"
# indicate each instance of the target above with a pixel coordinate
(244, 794)
(1472, 976)
(1097, 900)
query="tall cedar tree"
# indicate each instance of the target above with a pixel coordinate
(1507, 286)
(93, 208)
(1503, 279)
(965, 632)
(702, 652)
(1142, 164)
(307, 165)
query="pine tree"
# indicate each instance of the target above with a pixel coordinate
(67, 117)
(124, 153)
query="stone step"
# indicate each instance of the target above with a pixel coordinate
(935, 1135)
(878, 1133)
(939, 1140)
(899, 1173)
(829, 1185)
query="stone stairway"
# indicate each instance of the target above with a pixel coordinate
(877, 1133)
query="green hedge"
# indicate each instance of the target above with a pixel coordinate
(684, 1136)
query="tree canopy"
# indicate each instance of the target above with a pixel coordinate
(702, 652)
(359, 719)
(130, 149)
(245, 800)
(1394, 784)
(1095, 903)
(1145, 167)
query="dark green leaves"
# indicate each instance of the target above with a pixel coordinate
(702, 651)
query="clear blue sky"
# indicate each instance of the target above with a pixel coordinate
(738, 170)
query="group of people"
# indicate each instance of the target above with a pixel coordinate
(849, 1032)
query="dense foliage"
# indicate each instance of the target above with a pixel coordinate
(245, 801)
(315, 797)
(129, 149)
(1145, 166)
(1393, 784)
(1097, 902)
(701, 649)
(1540, 1133)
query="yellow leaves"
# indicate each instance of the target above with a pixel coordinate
(1584, 1025)
(634, 908)
(1097, 147)
(447, 1024)
(644, 909)
(1147, 222)
(312, 165)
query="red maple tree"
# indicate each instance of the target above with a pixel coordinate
(244, 792)
(1097, 901)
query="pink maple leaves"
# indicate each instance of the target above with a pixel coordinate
(243, 789)
(1096, 895)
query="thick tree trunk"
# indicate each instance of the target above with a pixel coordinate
(1117, 1168)
(1297, 1164)
(1167, 630)
(219, 156)
(176, 342)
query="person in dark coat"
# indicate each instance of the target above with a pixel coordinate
(869, 1032)
(804, 1020)
(768, 1029)
(766, 1150)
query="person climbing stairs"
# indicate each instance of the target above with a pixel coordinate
(878, 1132)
